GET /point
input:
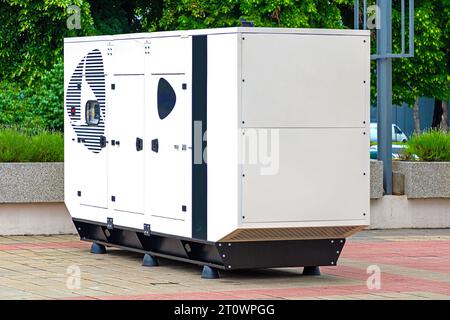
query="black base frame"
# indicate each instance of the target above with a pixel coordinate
(220, 255)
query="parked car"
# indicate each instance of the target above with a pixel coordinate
(397, 151)
(397, 133)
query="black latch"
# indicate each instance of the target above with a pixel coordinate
(113, 198)
(139, 144)
(184, 86)
(113, 86)
(146, 230)
(102, 141)
(79, 193)
(155, 145)
(109, 223)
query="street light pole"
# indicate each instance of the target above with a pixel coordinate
(384, 91)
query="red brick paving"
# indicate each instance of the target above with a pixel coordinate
(409, 269)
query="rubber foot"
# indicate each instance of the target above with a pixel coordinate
(210, 273)
(311, 271)
(149, 261)
(97, 248)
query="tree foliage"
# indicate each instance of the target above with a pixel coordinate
(427, 73)
(196, 14)
(32, 33)
(31, 42)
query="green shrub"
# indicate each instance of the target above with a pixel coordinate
(20, 146)
(431, 145)
(37, 106)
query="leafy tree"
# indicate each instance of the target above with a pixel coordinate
(427, 74)
(195, 14)
(32, 33)
(115, 16)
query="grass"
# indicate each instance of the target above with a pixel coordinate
(19, 146)
(431, 145)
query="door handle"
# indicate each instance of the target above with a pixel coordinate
(155, 145)
(139, 144)
(102, 141)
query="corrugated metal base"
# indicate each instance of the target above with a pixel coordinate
(304, 233)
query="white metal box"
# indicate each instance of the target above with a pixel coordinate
(253, 136)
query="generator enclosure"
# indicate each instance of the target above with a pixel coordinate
(232, 148)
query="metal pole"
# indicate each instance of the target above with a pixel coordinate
(356, 15)
(384, 91)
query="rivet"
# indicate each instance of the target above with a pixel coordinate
(332, 241)
(332, 262)
(220, 244)
(223, 256)
(337, 252)
(229, 244)
(229, 267)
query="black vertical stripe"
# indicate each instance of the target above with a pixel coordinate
(199, 104)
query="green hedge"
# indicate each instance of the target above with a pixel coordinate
(20, 146)
(431, 145)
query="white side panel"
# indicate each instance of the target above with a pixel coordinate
(223, 135)
(167, 174)
(128, 56)
(85, 77)
(323, 175)
(304, 80)
(170, 54)
(126, 164)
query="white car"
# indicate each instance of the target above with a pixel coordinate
(397, 133)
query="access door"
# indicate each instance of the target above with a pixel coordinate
(126, 143)
(170, 148)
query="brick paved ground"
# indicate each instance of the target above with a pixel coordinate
(414, 264)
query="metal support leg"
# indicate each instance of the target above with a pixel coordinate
(311, 271)
(210, 273)
(149, 261)
(97, 248)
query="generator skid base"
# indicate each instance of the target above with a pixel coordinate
(219, 255)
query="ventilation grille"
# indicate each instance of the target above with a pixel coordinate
(307, 233)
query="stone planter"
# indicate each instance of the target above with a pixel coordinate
(32, 199)
(422, 179)
(376, 179)
(31, 182)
